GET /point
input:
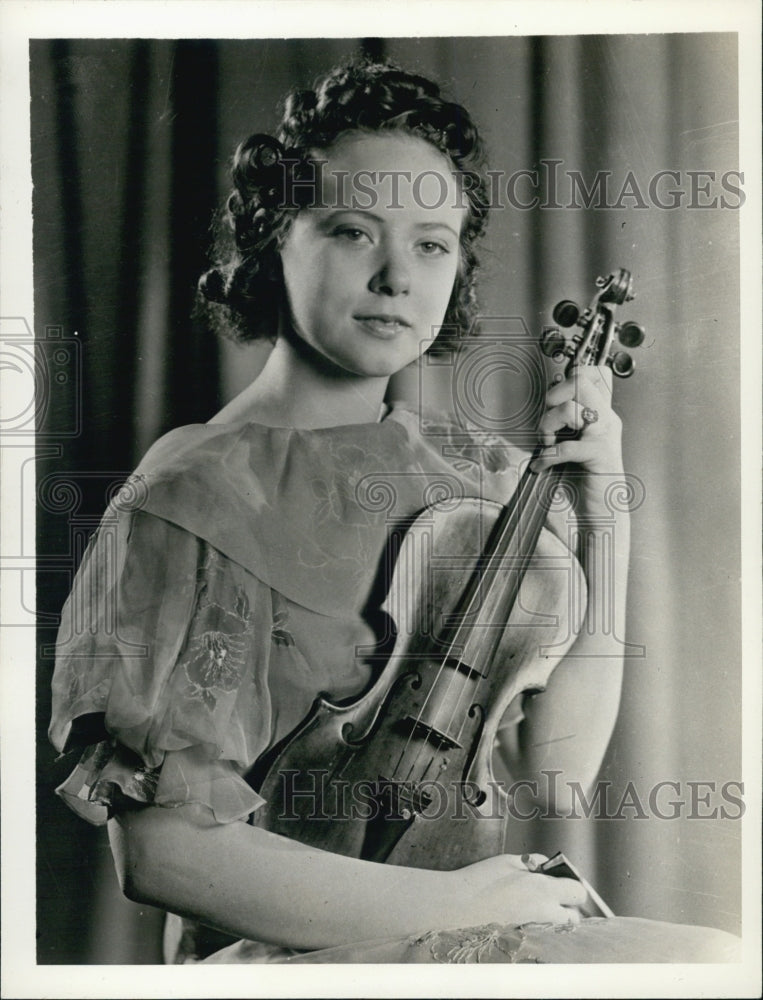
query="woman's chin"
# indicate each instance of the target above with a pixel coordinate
(368, 368)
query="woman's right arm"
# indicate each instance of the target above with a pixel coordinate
(264, 887)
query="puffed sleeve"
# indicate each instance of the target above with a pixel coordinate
(161, 672)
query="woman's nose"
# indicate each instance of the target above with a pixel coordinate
(391, 277)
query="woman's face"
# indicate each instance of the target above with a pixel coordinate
(370, 270)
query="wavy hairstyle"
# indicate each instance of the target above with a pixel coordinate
(244, 290)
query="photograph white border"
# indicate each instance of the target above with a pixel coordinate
(21, 976)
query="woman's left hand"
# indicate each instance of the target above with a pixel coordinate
(582, 403)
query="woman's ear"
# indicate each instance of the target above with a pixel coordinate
(274, 270)
(283, 230)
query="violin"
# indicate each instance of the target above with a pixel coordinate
(404, 774)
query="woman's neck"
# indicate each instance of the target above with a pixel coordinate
(297, 389)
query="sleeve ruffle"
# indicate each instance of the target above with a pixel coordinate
(109, 777)
(162, 658)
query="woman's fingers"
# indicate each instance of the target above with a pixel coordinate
(573, 414)
(581, 405)
(564, 897)
(532, 862)
(589, 386)
(580, 452)
(569, 892)
(509, 888)
(501, 865)
(553, 899)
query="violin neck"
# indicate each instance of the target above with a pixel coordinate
(472, 633)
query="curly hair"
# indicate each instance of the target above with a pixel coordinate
(244, 290)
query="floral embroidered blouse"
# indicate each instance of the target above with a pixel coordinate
(230, 583)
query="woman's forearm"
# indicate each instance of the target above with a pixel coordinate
(257, 885)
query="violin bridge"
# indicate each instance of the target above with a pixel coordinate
(422, 729)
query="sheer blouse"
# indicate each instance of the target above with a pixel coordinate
(232, 580)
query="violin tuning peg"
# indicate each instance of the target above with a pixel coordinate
(566, 313)
(552, 343)
(631, 334)
(621, 364)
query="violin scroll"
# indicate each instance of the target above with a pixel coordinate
(595, 344)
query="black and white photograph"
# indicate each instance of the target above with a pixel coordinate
(380, 447)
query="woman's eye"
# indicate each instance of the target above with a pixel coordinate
(351, 234)
(431, 249)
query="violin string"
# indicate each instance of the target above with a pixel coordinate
(528, 484)
(518, 564)
(523, 537)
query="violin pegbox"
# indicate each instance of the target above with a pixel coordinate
(593, 342)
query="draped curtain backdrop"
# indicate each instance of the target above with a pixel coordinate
(130, 148)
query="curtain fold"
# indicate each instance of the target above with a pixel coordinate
(131, 142)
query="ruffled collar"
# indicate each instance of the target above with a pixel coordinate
(309, 512)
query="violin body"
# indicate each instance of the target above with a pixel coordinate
(404, 774)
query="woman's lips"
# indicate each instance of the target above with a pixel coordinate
(382, 326)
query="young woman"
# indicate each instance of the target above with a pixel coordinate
(233, 580)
